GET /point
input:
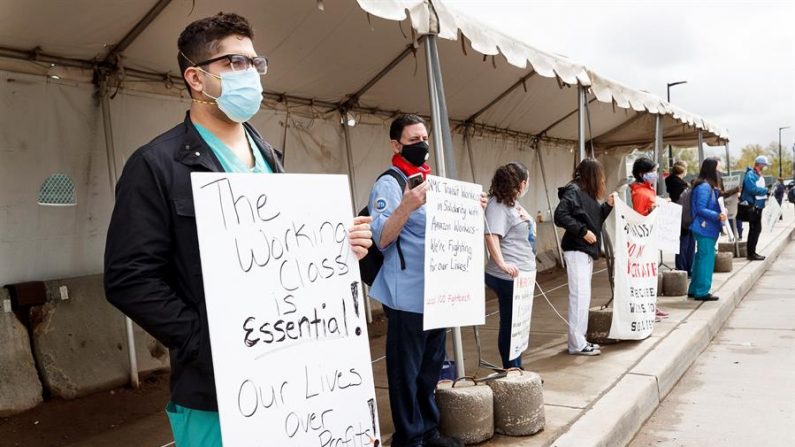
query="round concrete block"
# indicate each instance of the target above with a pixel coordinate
(674, 283)
(723, 262)
(599, 322)
(659, 283)
(518, 403)
(466, 409)
(728, 247)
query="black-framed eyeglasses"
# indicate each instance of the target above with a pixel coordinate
(240, 62)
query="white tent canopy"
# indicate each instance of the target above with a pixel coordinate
(326, 58)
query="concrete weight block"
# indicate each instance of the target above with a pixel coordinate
(723, 262)
(660, 283)
(674, 283)
(518, 403)
(20, 388)
(467, 410)
(599, 322)
(80, 340)
(728, 247)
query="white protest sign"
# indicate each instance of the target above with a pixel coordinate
(635, 272)
(668, 226)
(726, 227)
(284, 305)
(454, 282)
(770, 214)
(731, 181)
(523, 289)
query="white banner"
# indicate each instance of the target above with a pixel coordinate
(635, 293)
(731, 181)
(770, 214)
(668, 226)
(454, 281)
(523, 289)
(285, 309)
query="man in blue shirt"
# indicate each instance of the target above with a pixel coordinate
(413, 357)
(755, 193)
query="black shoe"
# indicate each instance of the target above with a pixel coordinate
(756, 257)
(708, 297)
(439, 440)
(690, 295)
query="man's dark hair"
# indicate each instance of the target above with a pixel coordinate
(200, 40)
(641, 166)
(400, 123)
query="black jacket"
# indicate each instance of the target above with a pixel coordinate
(675, 187)
(577, 213)
(152, 266)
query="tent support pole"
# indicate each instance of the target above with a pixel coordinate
(346, 131)
(468, 144)
(443, 150)
(700, 148)
(284, 134)
(549, 205)
(733, 218)
(581, 122)
(113, 177)
(658, 149)
(136, 31)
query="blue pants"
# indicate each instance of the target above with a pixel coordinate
(687, 248)
(703, 267)
(413, 362)
(504, 290)
(194, 428)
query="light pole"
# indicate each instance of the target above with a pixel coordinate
(670, 150)
(780, 160)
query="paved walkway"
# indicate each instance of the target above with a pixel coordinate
(741, 390)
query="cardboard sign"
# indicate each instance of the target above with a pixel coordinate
(731, 181)
(454, 282)
(669, 226)
(636, 257)
(523, 289)
(285, 311)
(770, 214)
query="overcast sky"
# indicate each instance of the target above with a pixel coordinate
(737, 56)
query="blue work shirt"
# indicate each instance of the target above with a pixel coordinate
(399, 289)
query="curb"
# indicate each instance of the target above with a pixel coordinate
(615, 418)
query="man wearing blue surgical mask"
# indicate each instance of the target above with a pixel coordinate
(152, 265)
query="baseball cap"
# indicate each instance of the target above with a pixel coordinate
(761, 160)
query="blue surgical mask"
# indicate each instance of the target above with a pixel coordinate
(650, 177)
(241, 94)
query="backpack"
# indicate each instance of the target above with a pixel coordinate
(685, 200)
(370, 265)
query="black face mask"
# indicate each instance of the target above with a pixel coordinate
(416, 153)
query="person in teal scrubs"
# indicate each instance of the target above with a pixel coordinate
(152, 245)
(707, 221)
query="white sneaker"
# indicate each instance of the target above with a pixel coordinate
(594, 345)
(588, 350)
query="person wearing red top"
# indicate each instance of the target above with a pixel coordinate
(644, 197)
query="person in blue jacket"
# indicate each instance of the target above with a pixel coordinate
(755, 193)
(706, 226)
